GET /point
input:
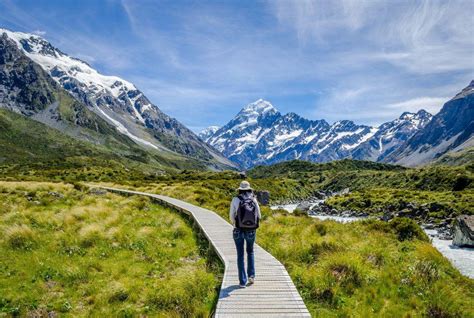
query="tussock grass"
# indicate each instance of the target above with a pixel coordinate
(19, 237)
(364, 269)
(74, 254)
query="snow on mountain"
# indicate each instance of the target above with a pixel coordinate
(207, 132)
(114, 99)
(389, 136)
(260, 134)
(452, 129)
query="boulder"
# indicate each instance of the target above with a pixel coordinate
(56, 194)
(464, 231)
(263, 197)
(320, 195)
(387, 216)
(303, 206)
(344, 191)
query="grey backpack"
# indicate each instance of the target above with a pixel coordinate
(247, 218)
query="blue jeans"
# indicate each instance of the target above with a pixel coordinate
(239, 238)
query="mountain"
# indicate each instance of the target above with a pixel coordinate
(107, 105)
(450, 130)
(391, 135)
(208, 132)
(260, 134)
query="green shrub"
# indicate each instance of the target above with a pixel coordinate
(461, 183)
(320, 228)
(407, 229)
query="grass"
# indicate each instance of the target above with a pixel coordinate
(68, 252)
(376, 200)
(34, 151)
(364, 269)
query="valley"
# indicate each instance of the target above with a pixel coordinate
(362, 217)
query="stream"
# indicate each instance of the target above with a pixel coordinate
(462, 258)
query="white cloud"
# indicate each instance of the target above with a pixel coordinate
(366, 59)
(39, 32)
(430, 104)
(422, 37)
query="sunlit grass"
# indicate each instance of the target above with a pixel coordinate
(363, 269)
(67, 252)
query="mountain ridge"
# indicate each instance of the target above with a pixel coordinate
(114, 100)
(260, 134)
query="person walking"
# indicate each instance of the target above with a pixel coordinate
(245, 216)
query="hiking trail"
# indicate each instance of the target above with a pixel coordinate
(272, 295)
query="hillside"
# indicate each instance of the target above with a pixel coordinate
(29, 147)
(89, 106)
(452, 129)
(456, 158)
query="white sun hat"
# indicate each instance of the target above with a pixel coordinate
(245, 185)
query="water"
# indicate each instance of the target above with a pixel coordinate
(288, 207)
(462, 258)
(343, 219)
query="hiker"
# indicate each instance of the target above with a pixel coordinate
(245, 216)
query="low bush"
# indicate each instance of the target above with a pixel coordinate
(407, 229)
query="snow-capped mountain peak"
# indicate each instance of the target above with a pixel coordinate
(418, 119)
(114, 99)
(259, 107)
(208, 132)
(60, 64)
(259, 134)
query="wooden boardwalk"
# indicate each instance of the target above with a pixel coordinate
(272, 295)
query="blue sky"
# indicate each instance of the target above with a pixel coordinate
(202, 61)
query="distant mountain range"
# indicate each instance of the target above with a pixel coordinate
(260, 135)
(42, 83)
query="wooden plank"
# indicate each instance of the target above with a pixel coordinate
(272, 295)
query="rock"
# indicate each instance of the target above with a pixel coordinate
(243, 175)
(343, 191)
(429, 226)
(435, 207)
(406, 213)
(56, 194)
(464, 231)
(320, 195)
(303, 206)
(263, 197)
(387, 216)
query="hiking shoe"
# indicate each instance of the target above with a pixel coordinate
(251, 281)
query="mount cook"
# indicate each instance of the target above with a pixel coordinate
(260, 134)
